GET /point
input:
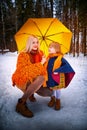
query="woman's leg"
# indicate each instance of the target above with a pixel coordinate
(21, 106)
(33, 87)
(45, 92)
(32, 98)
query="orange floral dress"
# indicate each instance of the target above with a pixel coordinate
(26, 71)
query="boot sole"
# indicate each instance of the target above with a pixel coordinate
(30, 116)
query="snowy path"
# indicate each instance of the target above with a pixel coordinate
(73, 114)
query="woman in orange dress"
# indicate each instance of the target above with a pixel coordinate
(29, 74)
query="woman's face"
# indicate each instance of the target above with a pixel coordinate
(35, 44)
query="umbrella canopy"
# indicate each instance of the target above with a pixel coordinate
(47, 30)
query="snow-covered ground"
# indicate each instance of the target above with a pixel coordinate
(73, 114)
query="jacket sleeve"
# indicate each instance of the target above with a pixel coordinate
(24, 61)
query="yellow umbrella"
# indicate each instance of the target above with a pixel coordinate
(47, 30)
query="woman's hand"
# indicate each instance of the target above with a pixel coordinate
(43, 59)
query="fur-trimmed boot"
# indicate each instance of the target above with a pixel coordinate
(22, 108)
(52, 102)
(57, 104)
(32, 98)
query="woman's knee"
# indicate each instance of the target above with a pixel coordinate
(41, 78)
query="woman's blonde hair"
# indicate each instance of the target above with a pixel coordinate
(29, 43)
(56, 46)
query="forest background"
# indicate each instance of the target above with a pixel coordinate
(72, 13)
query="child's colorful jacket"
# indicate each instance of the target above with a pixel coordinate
(56, 63)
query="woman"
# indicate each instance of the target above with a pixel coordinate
(29, 74)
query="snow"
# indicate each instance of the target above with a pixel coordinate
(73, 113)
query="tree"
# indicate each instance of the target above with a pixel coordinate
(72, 13)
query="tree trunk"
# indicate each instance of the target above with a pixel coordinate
(84, 41)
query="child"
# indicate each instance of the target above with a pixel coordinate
(59, 72)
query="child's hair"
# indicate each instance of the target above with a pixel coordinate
(56, 46)
(29, 43)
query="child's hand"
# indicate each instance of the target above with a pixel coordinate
(55, 72)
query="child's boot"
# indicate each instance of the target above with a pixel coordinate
(57, 104)
(22, 108)
(52, 102)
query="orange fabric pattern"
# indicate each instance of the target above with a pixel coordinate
(25, 70)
